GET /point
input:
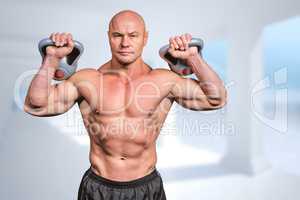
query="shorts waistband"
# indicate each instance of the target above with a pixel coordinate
(124, 184)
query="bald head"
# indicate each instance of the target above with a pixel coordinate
(127, 17)
(127, 37)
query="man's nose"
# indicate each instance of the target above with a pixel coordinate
(125, 41)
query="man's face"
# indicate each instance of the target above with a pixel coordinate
(127, 38)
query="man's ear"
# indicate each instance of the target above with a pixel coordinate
(146, 37)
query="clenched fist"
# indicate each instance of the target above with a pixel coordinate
(179, 47)
(63, 45)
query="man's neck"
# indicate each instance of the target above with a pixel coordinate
(133, 70)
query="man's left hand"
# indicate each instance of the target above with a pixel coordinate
(179, 47)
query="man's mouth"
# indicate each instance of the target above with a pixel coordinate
(125, 53)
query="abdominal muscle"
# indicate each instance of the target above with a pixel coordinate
(122, 148)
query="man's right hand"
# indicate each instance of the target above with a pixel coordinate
(63, 45)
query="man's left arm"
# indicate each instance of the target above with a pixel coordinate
(206, 93)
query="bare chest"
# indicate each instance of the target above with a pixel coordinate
(115, 97)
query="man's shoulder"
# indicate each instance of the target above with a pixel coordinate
(84, 74)
(161, 71)
(166, 73)
(87, 71)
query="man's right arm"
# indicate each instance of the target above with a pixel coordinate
(44, 99)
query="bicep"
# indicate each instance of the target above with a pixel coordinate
(62, 97)
(188, 93)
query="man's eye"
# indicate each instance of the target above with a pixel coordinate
(133, 36)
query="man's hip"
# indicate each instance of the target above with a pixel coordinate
(94, 187)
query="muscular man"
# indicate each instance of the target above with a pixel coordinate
(123, 105)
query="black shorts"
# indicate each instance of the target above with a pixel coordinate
(94, 187)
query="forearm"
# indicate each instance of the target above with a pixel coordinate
(39, 89)
(209, 81)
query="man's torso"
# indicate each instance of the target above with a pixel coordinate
(123, 117)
